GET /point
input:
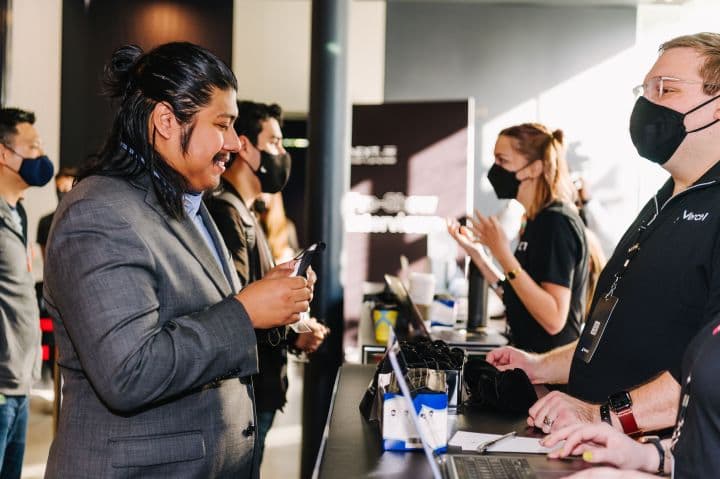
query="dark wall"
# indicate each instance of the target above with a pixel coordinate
(500, 55)
(90, 35)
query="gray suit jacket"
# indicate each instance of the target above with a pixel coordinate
(155, 352)
(19, 315)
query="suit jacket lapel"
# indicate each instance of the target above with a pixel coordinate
(192, 239)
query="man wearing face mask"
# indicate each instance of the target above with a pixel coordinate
(261, 166)
(662, 284)
(22, 164)
(63, 183)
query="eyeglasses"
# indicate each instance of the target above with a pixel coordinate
(657, 86)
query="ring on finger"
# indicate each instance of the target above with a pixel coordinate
(548, 422)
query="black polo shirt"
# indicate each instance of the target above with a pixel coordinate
(552, 248)
(698, 425)
(670, 290)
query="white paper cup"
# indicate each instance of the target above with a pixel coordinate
(422, 288)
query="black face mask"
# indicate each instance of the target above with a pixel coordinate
(35, 171)
(504, 182)
(273, 172)
(657, 131)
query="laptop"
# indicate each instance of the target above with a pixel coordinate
(464, 339)
(457, 466)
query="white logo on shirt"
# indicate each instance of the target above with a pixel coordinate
(522, 246)
(690, 216)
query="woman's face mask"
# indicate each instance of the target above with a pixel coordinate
(505, 182)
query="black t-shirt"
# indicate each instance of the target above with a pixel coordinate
(698, 426)
(670, 290)
(552, 249)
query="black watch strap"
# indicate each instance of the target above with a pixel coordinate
(655, 441)
(605, 413)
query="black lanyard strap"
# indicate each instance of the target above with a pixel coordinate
(641, 235)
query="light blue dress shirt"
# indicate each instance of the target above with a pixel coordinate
(191, 203)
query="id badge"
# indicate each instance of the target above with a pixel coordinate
(594, 328)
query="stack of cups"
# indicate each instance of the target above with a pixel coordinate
(422, 292)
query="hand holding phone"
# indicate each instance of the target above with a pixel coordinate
(304, 258)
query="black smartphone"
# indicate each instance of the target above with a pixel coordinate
(305, 257)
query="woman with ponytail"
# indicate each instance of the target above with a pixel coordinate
(543, 282)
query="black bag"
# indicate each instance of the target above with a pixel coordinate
(419, 356)
(490, 388)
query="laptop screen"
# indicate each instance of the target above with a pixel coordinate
(396, 287)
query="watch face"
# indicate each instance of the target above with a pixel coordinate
(620, 401)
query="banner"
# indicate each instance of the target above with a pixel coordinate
(411, 167)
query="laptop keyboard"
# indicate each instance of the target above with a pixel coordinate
(488, 467)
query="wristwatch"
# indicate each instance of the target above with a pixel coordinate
(512, 274)
(497, 286)
(655, 441)
(621, 404)
(605, 413)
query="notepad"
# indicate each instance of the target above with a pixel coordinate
(469, 441)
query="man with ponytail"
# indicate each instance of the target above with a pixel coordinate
(155, 335)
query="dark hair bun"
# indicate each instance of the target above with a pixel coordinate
(558, 136)
(118, 71)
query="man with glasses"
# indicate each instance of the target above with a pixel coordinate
(662, 284)
(22, 164)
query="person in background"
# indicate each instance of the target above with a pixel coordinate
(22, 165)
(689, 453)
(261, 165)
(595, 247)
(155, 337)
(63, 183)
(600, 223)
(279, 229)
(544, 282)
(662, 284)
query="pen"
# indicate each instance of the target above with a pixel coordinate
(482, 447)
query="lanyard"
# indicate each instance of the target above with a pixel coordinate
(643, 232)
(681, 414)
(686, 400)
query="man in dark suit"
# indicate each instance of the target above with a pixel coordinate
(22, 164)
(156, 344)
(261, 165)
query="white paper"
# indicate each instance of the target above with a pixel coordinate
(469, 441)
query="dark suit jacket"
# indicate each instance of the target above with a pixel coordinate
(252, 257)
(154, 350)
